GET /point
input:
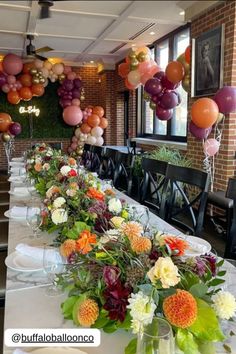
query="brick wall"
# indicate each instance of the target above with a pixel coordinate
(223, 13)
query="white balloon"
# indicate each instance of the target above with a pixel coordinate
(99, 141)
(77, 132)
(38, 63)
(46, 83)
(97, 131)
(53, 80)
(45, 72)
(91, 140)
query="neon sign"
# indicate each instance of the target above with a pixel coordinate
(29, 110)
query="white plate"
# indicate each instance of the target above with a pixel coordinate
(22, 263)
(59, 350)
(8, 215)
(199, 242)
(18, 159)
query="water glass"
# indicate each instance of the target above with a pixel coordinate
(156, 338)
(34, 219)
(139, 213)
(54, 265)
(229, 266)
(107, 184)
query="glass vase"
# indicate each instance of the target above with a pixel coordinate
(156, 338)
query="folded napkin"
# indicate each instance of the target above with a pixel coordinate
(14, 178)
(18, 170)
(16, 164)
(20, 190)
(37, 253)
(20, 212)
(18, 159)
(196, 247)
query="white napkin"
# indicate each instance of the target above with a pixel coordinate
(18, 159)
(197, 247)
(18, 170)
(17, 164)
(37, 253)
(20, 190)
(14, 178)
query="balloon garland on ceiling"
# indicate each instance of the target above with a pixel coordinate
(22, 81)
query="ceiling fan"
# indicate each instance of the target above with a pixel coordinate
(32, 52)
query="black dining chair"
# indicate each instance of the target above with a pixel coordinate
(184, 198)
(153, 182)
(86, 156)
(96, 158)
(108, 162)
(123, 172)
(230, 249)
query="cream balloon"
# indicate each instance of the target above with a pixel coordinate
(77, 132)
(99, 141)
(45, 72)
(47, 65)
(97, 132)
(58, 68)
(45, 83)
(91, 140)
(134, 77)
(38, 63)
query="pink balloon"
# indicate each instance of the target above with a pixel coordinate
(78, 76)
(74, 139)
(13, 89)
(154, 69)
(71, 75)
(67, 69)
(145, 77)
(211, 147)
(74, 146)
(69, 150)
(5, 88)
(72, 115)
(12, 64)
(18, 85)
(75, 102)
(144, 67)
(11, 79)
(90, 110)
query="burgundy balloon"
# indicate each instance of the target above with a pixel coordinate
(199, 133)
(76, 93)
(153, 87)
(168, 84)
(61, 91)
(178, 96)
(226, 99)
(77, 83)
(155, 98)
(65, 102)
(159, 75)
(3, 79)
(68, 85)
(169, 100)
(67, 96)
(164, 114)
(15, 128)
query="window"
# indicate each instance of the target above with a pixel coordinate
(164, 51)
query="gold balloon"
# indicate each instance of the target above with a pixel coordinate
(33, 71)
(132, 55)
(134, 64)
(152, 105)
(186, 83)
(35, 80)
(82, 98)
(220, 118)
(37, 75)
(40, 72)
(146, 96)
(181, 59)
(142, 56)
(6, 137)
(42, 80)
(79, 152)
(62, 77)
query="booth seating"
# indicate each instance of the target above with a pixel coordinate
(230, 249)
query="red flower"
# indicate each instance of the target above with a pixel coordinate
(72, 173)
(111, 275)
(116, 297)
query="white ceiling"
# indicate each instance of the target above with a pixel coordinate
(81, 31)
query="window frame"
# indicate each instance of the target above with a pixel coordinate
(140, 101)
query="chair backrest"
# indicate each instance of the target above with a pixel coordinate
(230, 249)
(107, 167)
(123, 170)
(152, 184)
(56, 145)
(86, 157)
(185, 191)
(96, 158)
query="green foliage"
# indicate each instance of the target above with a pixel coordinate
(49, 124)
(67, 307)
(131, 347)
(186, 341)
(162, 153)
(78, 227)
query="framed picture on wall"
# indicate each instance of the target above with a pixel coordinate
(207, 62)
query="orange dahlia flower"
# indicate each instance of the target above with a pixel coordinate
(95, 194)
(71, 161)
(84, 242)
(73, 185)
(180, 309)
(38, 167)
(177, 245)
(141, 244)
(88, 312)
(109, 192)
(132, 229)
(68, 247)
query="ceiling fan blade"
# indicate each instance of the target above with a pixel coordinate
(40, 57)
(44, 49)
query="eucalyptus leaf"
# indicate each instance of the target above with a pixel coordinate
(131, 347)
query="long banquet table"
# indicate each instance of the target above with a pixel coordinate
(27, 305)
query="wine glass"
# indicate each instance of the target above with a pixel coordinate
(53, 264)
(30, 185)
(156, 338)
(34, 219)
(139, 213)
(107, 184)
